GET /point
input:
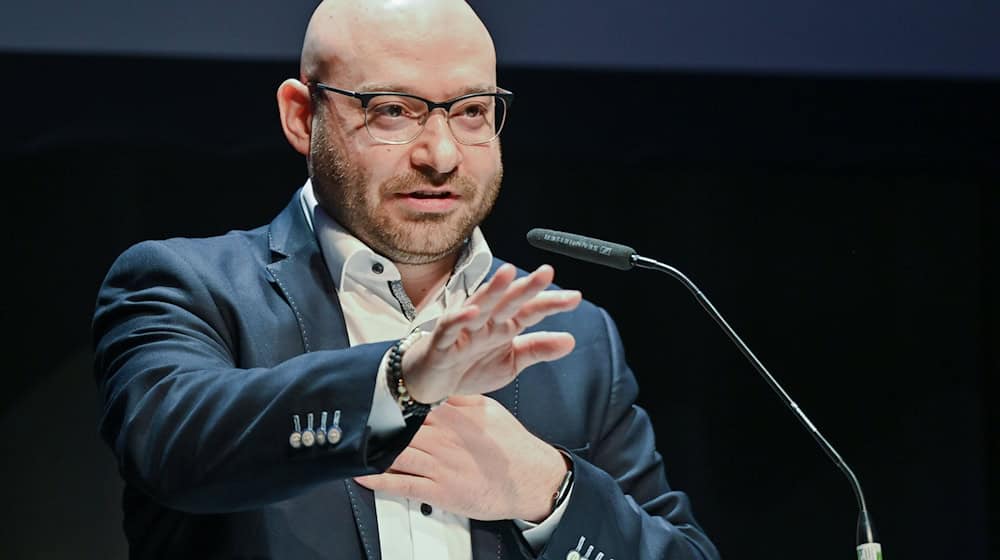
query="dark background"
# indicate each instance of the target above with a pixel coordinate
(845, 225)
(888, 37)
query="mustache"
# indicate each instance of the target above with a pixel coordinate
(409, 182)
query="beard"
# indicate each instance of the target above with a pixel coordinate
(344, 191)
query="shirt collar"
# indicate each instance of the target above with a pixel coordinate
(348, 257)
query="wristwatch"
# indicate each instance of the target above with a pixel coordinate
(562, 492)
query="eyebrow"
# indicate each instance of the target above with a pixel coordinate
(479, 88)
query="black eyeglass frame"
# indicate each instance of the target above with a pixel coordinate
(506, 96)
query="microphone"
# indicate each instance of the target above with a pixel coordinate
(583, 248)
(624, 258)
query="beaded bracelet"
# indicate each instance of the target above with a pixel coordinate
(394, 377)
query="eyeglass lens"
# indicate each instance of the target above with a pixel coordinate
(398, 119)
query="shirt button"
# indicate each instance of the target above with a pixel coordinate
(377, 268)
(426, 509)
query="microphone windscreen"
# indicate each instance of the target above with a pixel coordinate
(583, 248)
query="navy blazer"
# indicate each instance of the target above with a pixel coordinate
(205, 348)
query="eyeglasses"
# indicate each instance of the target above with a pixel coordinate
(398, 118)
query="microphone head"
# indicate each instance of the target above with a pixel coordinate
(584, 248)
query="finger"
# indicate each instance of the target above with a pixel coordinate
(450, 326)
(408, 486)
(416, 462)
(522, 291)
(532, 348)
(488, 297)
(489, 293)
(545, 304)
(435, 434)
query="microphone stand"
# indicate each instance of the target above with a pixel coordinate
(867, 548)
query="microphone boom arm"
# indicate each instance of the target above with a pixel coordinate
(865, 530)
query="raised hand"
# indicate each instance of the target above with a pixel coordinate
(479, 347)
(473, 458)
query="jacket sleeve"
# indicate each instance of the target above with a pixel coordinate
(621, 503)
(194, 431)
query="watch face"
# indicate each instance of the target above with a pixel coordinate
(320, 437)
(308, 438)
(295, 440)
(573, 555)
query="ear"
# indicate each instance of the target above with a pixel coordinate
(295, 107)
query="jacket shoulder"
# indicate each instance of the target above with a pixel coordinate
(234, 247)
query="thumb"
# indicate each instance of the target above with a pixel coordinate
(532, 348)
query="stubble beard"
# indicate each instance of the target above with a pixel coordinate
(342, 189)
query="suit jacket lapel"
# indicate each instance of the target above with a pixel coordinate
(300, 274)
(487, 543)
(491, 539)
(363, 508)
(500, 540)
(495, 539)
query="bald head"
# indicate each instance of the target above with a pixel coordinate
(348, 42)
(434, 49)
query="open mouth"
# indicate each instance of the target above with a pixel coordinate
(433, 201)
(430, 194)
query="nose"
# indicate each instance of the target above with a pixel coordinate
(436, 148)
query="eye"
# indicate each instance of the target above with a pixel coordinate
(390, 110)
(473, 111)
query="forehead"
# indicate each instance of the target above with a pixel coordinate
(437, 81)
(432, 58)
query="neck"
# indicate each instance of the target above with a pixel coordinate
(422, 280)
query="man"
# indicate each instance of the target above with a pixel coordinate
(255, 393)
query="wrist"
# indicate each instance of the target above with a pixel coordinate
(553, 487)
(424, 383)
(404, 383)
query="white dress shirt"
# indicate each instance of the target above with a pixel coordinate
(376, 309)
